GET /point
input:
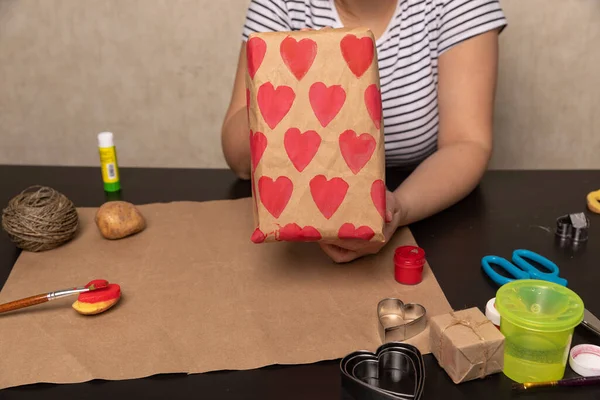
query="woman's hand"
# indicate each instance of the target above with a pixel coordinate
(348, 250)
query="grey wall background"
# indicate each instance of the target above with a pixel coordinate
(158, 73)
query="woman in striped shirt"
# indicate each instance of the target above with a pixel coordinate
(437, 66)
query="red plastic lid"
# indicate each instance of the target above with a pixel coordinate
(409, 256)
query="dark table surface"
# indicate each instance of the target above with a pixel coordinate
(509, 210)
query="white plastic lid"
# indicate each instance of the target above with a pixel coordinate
(585, 360)
(491, 313)
(105, 139)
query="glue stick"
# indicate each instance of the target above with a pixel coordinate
(108, 162)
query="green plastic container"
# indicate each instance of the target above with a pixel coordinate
(537, 321)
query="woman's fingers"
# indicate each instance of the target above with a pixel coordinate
(390, 202)
(338, 254)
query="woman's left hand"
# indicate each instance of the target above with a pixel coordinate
(349, 250)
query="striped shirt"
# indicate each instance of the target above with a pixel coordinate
(418, 33)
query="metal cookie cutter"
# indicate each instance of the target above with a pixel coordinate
(396, 371)
(573, 227)
(398, 321)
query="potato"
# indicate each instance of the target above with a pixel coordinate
(119, 219)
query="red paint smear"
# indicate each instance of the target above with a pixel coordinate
(255, 54)
(301, 147)
(248, 104)
(275, 195)
(253, 191)
(293, 233)
(378, 191)
(328, 195)
(356, 150)
(274, 104)
(258, 236)
(348, 231)
(358, 53)
(111, 292)
(373, 103)
(326, 102)
(258, 144)
(298, 56)
(98, 283)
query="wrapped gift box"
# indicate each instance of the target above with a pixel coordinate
(316, 135)
(467, 345)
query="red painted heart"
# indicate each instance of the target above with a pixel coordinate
(293, 233)
(275, 195)
(358, 53)
(356, 150)
(328, 195)
(258, 236)
(326, 102)
(298, 56)
(256, 49)
(301, 147)
(274, 103)
(258, 144)
(348, 231)
(373, 103)
(378, 191)
(254, 200)
(248, 103)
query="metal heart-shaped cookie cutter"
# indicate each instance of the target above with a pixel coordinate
(396, 371)
(398, 321)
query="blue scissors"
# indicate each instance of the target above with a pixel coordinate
(521, 269)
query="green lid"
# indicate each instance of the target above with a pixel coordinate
(112, 186)
(539, 305)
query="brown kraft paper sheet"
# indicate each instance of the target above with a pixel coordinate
(198, 296)
(316, 135)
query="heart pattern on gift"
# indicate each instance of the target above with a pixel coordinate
(282, 128)
(373, 103)
(349, 231)
(258, 145)
(328, 195)
(275, 194)
(358, 53)
(356, 150)
(301, 147)
(298, 56)
(258, 236)
(326, 102)
(256, 48)
(395, 370)
(274, 104)
(248, 103)
(294, 233)
(378, 191)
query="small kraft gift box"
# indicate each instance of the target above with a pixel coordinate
(466, 344)
(316, 136)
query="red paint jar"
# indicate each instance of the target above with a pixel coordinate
(408, 263)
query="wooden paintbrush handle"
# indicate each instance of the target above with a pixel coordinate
(22, 303)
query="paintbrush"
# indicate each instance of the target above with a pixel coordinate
(583, 381)
(58, 294)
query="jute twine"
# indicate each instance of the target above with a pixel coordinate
(473, 326)
(39, 219)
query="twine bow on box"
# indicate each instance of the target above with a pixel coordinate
(475, 328)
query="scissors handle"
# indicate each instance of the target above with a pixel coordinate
(552, 276)
(504, 264)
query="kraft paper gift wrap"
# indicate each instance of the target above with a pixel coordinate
(466, 344)
(316, 135)
(197, 296)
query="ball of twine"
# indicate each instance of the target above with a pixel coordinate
(39, 219)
